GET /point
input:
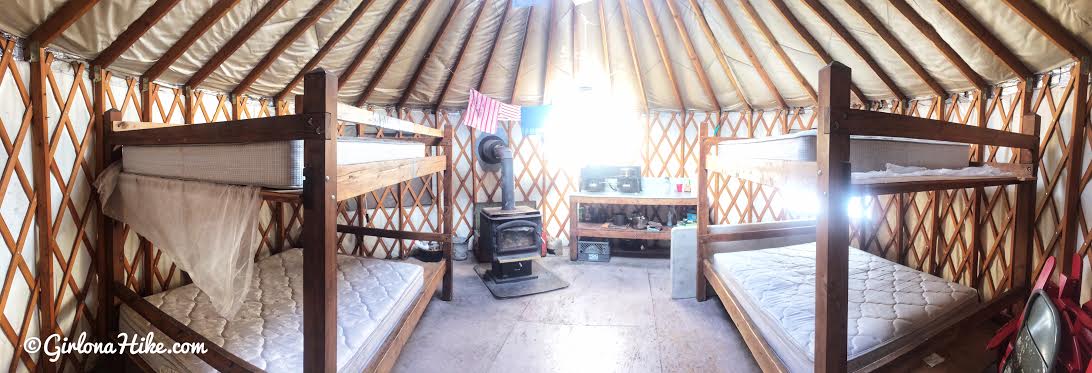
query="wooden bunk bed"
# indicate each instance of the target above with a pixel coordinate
(326, 184)
(830, 173)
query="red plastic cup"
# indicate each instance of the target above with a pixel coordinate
(678, 187)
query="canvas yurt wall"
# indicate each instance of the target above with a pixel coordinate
(678, 65)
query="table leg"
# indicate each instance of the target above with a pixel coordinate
(574, 235)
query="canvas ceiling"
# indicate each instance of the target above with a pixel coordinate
(529, 64)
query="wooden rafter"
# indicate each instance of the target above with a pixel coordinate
(811, 41)
(184, 43)
(235, 42)
(896, 45)
(135, 30)
(395, 49)
(523, 49)
(367, 48)
(633, 55)
(60, 20)
(650, 13)
(778, 50)
(1049, 27)
(548, 56)
(946, 49)
(493, 46)
(459, 54)
(974, 27)
(285, 41)
(693, 55)
(843, 33)
(603, 40)
(737, 33)
(428, 54)
(725, 66)
(336, 37)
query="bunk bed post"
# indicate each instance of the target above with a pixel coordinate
(448, 228)
(319, 234)
(832, 229)
(1024, 224)
(113, 236)
(703, 214)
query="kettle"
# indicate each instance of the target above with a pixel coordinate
(640, 222)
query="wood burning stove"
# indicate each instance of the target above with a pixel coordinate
(510, 240)
(509, 237)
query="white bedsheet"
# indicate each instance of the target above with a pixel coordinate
(887, 301)
(867, 153)
(208, 230)
(373, 295)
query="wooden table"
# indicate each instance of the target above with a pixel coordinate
(645, 198)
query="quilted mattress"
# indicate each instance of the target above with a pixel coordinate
(274, 164)
(887, 301)
(373, 295)
(868, 153)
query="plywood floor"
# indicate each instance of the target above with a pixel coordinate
(615, 317)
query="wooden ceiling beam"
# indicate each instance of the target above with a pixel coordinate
(459, 54)
(350, 22)
(605, 42)
(133, 33)
(626, 22)
(650, 13)
(236, 41)
(493, 46)
(395, 49)
(946, 49)
(778, 50)
(211, 16)
(693, 55)
(974, 27)
(896, 45)
(308, 20)
(1047, 25)
(737, 33)
(60, 20)
(367, 48)
(827, 17)
(811, 41)
(725, 66)
(523, 48)
(429, 53)
(548, 56)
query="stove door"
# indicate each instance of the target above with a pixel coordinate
(517, 238)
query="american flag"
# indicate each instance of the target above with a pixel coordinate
(483, 112)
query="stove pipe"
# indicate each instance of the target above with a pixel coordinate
(493, 150)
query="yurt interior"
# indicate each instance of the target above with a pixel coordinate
(545, 185)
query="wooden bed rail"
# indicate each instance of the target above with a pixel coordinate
(856, 122)
(310, 126)
(353, 114)
(757, 235)
(400, 235)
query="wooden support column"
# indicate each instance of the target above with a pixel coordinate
(1074, 173)
(832, 229)
(189, 107)
(113, 239)
(703, 213)
(39, 72)
(319, 233)
(145, 248)
(1024, 214)
(448, 218)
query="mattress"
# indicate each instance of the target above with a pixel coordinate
(887, 301)
(273, 164)
(373, 296)
(867, 153)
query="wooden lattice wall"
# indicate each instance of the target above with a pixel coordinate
(943, 232)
